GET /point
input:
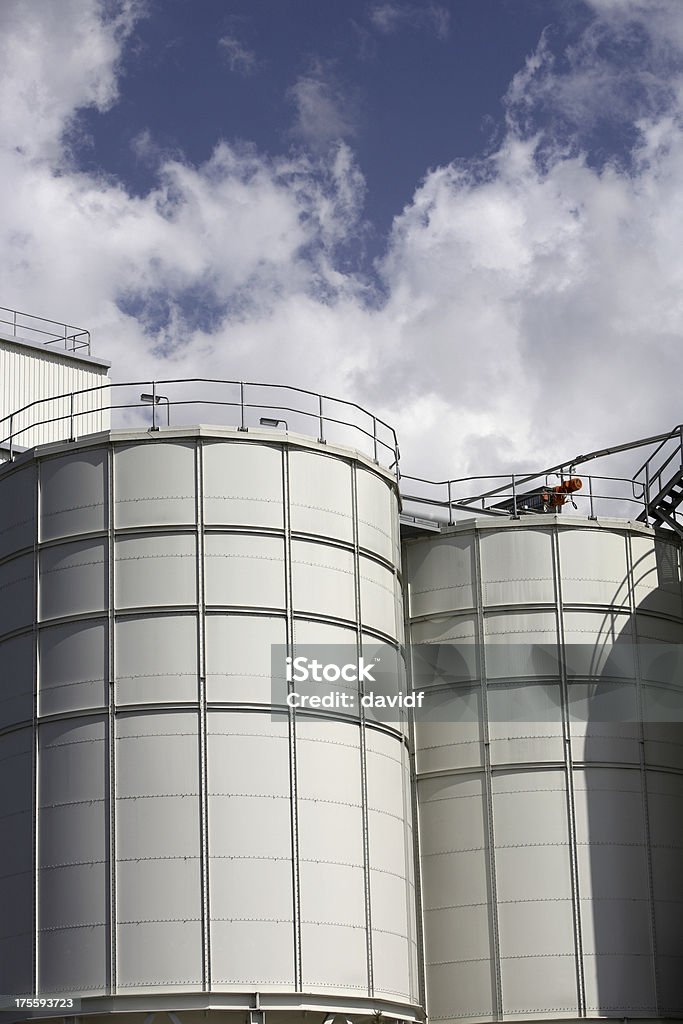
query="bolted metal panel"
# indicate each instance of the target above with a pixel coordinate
(71, 667)
(594, 569)
(16, 692)
(245, 570)
(320, 498)
(157, 760)
(155, 571)
(656, 576)
(16, 861)
(449, 735)
(16, 594)
(377, 515)
(239, 663)
(72, 494)
(72, 579)
(452, 559)
(525, 722)
(517, 568)
(378, 595)
(665, 791)
(322, 577)
(243, 485)
(17, 527)
(71, 888)
(154, 484)
(547, 842)
(455, 894)
(332, 887)
(249, 849)
(156, 659)
(390, 885)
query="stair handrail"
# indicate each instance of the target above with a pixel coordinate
(646, 485)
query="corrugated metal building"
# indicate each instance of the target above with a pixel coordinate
(31, 372)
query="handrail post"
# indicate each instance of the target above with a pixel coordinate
(514, 498)
(590, 498)
(646, 493)
(321, 420)
(71, 418)
(242, 426)
(11, 437)
(374, 438)
(154, 405)
(450, 507)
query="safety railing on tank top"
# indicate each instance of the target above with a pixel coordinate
(182, 402)
(512, 495)
(40, 328)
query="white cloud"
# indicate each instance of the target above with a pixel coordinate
(324, 113)
(390, 16)
(241, 59)
(532, 307)
(56, 58)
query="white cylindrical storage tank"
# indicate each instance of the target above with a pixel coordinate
(549, 784)
(182, 840)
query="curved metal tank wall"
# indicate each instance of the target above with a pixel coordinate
(172, 831)
(551, 833)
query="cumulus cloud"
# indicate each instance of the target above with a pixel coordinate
(240, 58)
(529, 304)
(57, 59)
(390, 16)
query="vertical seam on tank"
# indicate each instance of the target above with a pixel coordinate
(569, 775)
(362, 738)
(202, 719)
(488, 788)
(291, 722)
(35, 734)
(643, 768)
(111, 625)
(421, 980)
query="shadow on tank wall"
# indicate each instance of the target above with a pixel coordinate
(632, 800)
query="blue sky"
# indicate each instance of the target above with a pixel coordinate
(452, 212)
(410, 86)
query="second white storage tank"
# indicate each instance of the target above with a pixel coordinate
(549, 781)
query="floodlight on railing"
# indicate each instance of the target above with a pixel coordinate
(266, 421)
(155, 400)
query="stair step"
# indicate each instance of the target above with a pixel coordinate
(669, 521)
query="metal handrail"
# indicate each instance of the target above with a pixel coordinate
(648, 490)
(75, 338)
(37, 416)
(461, 493)
(508, 491)
(665, 438)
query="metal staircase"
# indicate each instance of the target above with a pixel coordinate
(659, 482)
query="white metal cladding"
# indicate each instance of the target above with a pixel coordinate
(190, 836)
(550, 848)
(32, 372)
